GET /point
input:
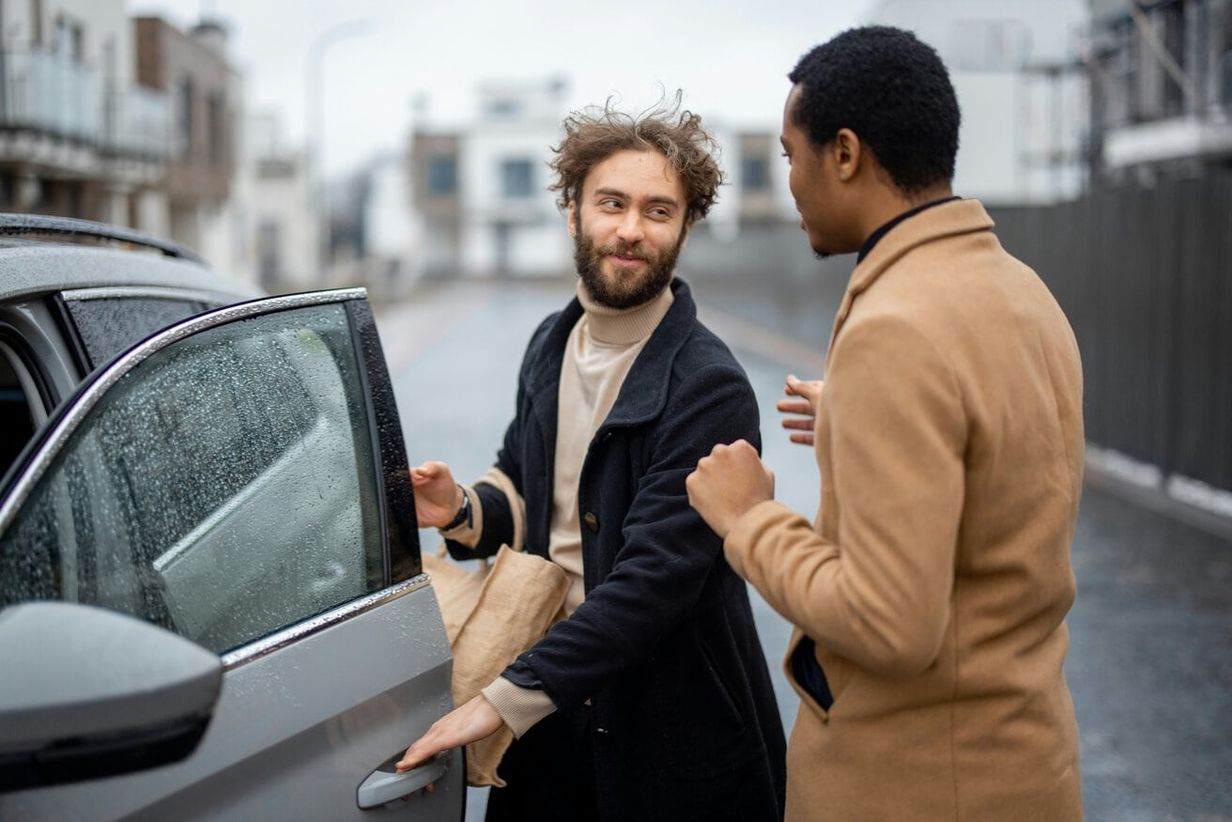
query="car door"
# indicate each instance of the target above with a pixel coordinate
(240, 479)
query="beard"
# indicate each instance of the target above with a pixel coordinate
(623, 290)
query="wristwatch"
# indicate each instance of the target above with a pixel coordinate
(463, 515)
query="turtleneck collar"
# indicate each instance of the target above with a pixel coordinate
(623, 326)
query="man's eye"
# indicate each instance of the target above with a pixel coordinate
(609, 203)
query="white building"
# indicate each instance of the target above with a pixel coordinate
(482, 187)
(280, 223)
(374, 232)
(1015, 65)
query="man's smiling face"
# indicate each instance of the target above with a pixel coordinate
(628, 226)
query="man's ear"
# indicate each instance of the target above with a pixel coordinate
(571, 218)
(848, 153)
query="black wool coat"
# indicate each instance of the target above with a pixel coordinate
(685, 724)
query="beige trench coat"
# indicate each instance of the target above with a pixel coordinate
(936, 580)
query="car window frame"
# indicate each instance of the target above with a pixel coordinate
(402, 572)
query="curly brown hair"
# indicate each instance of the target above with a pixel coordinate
(594, 134)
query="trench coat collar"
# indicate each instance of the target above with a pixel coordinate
(948, 219)
(644, 392)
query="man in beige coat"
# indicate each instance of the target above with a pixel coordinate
(930, 595)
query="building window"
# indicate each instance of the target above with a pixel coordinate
(442, 175)
(503, 107)
(36, 22)
(754, 173)
(1170, 27)
(1225, 84)
(184, 116)
(70, 39)
(269, 258)
(517, 178)
(215, 113)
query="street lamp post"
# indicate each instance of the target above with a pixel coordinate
(315, 131)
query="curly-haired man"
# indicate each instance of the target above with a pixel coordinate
(651, 700)
(930, 597)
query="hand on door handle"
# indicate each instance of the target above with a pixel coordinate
(385, 784)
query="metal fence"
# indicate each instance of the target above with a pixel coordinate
(1145, 276)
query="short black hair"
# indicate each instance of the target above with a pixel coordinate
(893, 91)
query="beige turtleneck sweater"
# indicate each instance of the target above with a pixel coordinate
(598, 355)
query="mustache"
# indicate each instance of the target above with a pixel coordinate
(622, 249)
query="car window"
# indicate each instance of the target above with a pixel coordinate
(108, 326)
(224, 488)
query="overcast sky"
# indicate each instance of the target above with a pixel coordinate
(730, 60)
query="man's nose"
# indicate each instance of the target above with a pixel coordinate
(630, 228)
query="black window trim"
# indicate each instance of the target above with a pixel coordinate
(399, 529)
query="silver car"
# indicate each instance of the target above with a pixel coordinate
(211, 597)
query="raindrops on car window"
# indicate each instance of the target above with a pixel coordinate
(223, 489)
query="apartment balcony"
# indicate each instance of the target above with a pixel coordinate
(1175, 138)
(64, 118)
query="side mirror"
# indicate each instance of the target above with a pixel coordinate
(88, 693)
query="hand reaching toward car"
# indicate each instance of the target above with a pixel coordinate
(809, 394)
(472, 722)
(437, 496)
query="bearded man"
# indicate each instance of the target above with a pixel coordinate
(652, 699)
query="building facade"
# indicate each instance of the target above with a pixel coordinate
(1162, 86)
(191, 71)
(1017, 69)
(281, 228)
(481, 189)
(79, 137)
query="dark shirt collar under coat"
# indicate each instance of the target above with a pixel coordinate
(885, 228)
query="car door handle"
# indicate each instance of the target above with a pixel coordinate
(385, 784)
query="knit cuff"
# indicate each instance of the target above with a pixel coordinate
(521, 708)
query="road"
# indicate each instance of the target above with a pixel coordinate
(1150, 663)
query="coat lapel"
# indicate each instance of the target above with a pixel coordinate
(936, 223)
(644, 392)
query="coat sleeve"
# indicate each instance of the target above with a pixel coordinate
(878, 595)
(667, 553)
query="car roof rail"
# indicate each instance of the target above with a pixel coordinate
(40, 225)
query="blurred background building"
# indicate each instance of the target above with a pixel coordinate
(191, 202)
(1162, 87)
(80, 136)
(1023, 92)
(278, 215)
(481, 186)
